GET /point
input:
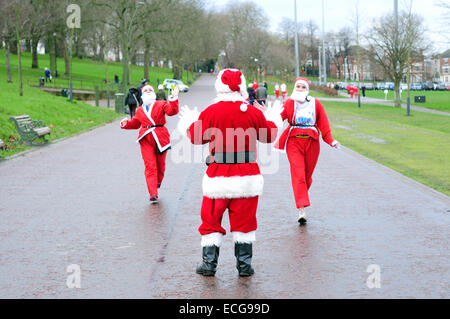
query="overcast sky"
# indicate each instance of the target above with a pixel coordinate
(338, 14)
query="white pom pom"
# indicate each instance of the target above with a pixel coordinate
(244, 107)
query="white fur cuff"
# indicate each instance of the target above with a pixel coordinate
(244, 238)
(187, 117)
(233, 187)
(213, 239)
(172, 98)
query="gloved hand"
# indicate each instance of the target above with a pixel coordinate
(336, 145)
(123, 122)
(187, 117)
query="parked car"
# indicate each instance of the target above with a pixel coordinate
(427, 86)
(447, 86)
(416, 87)
(171, 83)
(389, 86)
(380, 86)
(403, 86)
(441, 86)
(369, 86)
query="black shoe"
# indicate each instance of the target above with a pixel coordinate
(243, 253)
(209, 264)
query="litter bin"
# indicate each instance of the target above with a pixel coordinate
(64, 93)
(119, 107)
(41, 81)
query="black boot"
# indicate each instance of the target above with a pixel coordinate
(243, 253)
(209, 264)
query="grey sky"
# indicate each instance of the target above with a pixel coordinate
(338, 14)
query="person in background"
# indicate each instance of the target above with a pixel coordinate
(261, 94)
(255, 86)
(161, 94)
(48, 75)
(277, 90)
(283, 90)
(133, 100)
(251, 94)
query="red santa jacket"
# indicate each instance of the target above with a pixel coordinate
(309, 119)
(153, 121)
(232, 127)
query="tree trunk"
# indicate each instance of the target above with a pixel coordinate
(146, 59)
(52, 52)
(125, 59)
(35, 63)
(66, 57)
(19, 61)
(397, 99)
(8, 63)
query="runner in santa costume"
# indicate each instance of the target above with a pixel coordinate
(277, 90)
(306, 117)
(154, 138)
(233, 180)
(283, 90)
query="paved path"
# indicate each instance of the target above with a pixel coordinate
(370, 100)
(84, 201)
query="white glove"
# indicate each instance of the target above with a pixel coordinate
(336, 145)
(187, 117)
(273, 113)
(123, 122)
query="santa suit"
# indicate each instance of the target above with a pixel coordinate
(154, 138)
(277, 91)
(283, 90)
(255, 86)
(301, 142)
(232, 127)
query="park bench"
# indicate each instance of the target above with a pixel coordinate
(29, 129)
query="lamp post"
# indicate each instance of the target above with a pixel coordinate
(56, 56)
(297, 66)
(324, 64)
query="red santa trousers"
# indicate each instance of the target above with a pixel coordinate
(303, 153)
(241, 211)
(155, 163)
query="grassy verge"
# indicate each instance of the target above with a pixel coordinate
(86, 72)
(65, 118)
(416, 146)
(437, 100)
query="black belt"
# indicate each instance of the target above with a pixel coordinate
(298, 125)
(151, 126)
(232, 158)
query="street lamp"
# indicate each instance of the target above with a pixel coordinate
(56, 56)
(297, 74)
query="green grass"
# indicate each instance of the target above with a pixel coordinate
(65, 118)
(417, 146)
(86, 72)
(437, 100)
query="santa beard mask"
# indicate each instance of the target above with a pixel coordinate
(149, 98)
(299, 96)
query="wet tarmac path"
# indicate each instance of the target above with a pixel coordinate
(84, 201)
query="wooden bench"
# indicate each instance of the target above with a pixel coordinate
(29, 129)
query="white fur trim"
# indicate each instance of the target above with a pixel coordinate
(213, 239)
(302, 82)
(172, 98)
(233, 187)
(244, 238)
(229, 97)
(244, 107)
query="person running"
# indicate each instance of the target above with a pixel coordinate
(283, 90)
(154, 137)
(277, 90)
(307, 118)
(233, 180)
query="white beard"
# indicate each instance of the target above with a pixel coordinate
(299, 96)
(149, 98)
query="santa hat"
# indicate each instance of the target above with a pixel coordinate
(231, 86)
(302, 81)
(146, 87)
